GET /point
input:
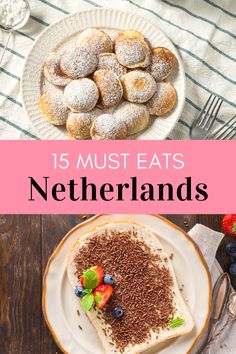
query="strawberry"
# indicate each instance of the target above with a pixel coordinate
(100, 273)
(102, 294)
(82, 280)
(229, 224)
(92, 277)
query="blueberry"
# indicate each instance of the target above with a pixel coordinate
(79, 291)
(118, 312)
(231, 249)
(108, 279)
(232, 269)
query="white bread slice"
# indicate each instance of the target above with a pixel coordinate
(142, 233)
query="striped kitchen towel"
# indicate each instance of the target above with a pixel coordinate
(203, 31)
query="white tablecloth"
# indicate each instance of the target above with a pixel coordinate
(208, 242)
(203, 31)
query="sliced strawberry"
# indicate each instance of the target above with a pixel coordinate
(102, 295)
(82, 280)
(94, 277)
(229, 224)
(100, 273)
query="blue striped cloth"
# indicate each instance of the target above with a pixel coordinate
(203, 31)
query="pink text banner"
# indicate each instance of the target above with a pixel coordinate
(70, 177)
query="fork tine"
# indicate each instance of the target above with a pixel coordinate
(227, 128)
(229, 131)
(215, 134)
(213, 115)
(231, 135)
(203, 110)
(202, 125)
(200, 119)
(224, 131)
(207, 114)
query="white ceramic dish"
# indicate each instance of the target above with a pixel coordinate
(110, 20)
(60, 305)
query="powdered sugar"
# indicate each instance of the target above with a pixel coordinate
(52, 105)
(109, 86)
(106, 127)
(108, 61)
(81, 95)
(132, 52)
(78, 62)
(139, 86)
(12, 12)
(79, 124)
(95, 40)
(111, 80)
(162, 62)
(163, 100)
(134, 115)
(52, 71)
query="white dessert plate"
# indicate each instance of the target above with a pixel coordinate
(111, 21)
(60, 305)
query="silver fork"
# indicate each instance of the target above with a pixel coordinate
(205, 120)
(226, 132)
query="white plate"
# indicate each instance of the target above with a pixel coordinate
(110, 20)
(60, 305)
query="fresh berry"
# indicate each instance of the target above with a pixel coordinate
(231, 249)
(100, 273)
(118, 312)
(232, 269)
(229, 224)
(93, 276)
(108, 279)
(79, 291)
(82, 280)
(102, 294)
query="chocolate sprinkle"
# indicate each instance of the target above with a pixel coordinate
(143, 285)
(186, 224)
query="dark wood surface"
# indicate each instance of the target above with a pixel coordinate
(26, 242)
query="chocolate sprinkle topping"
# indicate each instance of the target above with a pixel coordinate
(143, 285)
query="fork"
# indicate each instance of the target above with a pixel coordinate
(226, 132)
(205, 120)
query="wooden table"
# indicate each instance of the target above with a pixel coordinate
(26, 242)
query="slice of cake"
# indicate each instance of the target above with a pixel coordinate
(127, 285)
